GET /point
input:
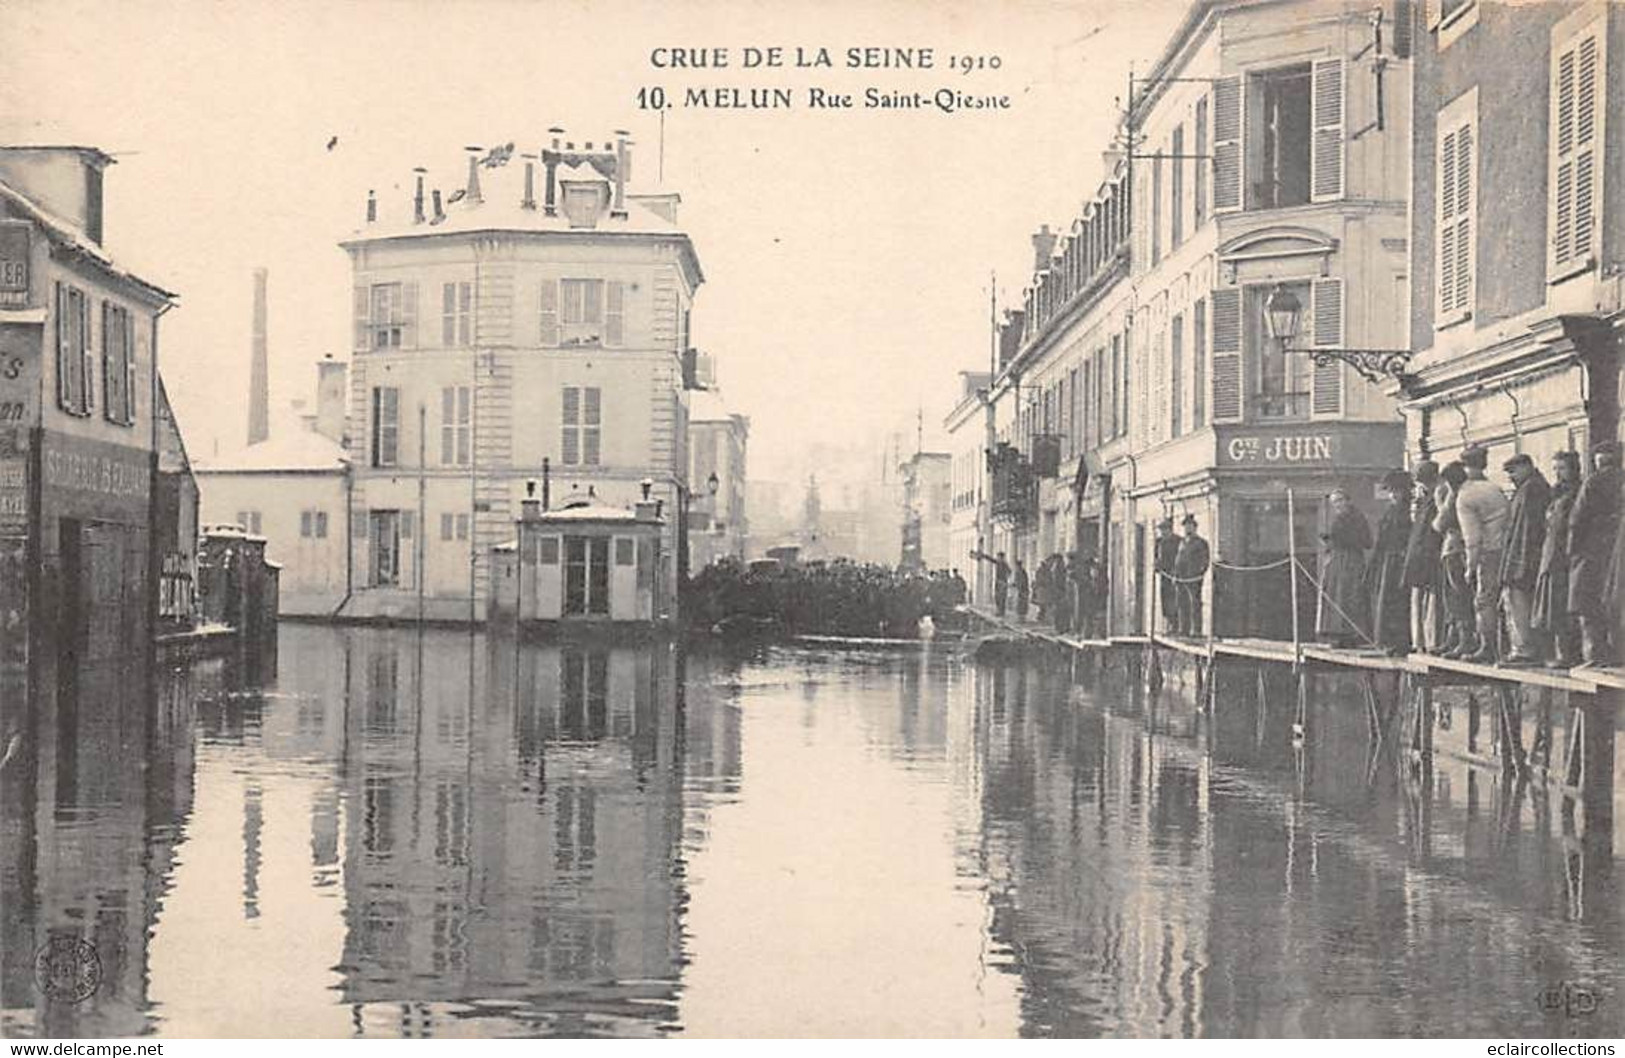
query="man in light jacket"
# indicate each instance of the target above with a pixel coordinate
(1482, 510)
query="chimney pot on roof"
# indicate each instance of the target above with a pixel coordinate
(417, 198)
(372, 206)
(529, 201)
(473, 192)
(623, 160)
(439, 212)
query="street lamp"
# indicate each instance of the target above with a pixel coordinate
(1283, 313)
(712, 483)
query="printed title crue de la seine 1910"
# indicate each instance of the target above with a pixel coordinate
(944, 98)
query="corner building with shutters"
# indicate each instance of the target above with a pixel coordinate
(535, 315)
(1518, 229)
(1267, 145)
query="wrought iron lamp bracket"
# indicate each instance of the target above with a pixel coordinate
(1373, 365)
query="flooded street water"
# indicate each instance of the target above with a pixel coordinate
(388, 833)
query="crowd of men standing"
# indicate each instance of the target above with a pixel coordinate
(1460, 568)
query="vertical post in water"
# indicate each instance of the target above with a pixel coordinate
(1292, 571)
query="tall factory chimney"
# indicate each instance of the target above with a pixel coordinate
(259, 383)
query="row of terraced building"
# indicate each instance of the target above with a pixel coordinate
(1346, 155)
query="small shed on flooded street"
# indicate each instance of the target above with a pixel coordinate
(584, 563)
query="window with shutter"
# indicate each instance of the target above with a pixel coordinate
(1227, 156)
(1326, 163)
(387, 319)
(1456, 210)
(74, 375)
(456, 314)
(456, 414)
(550, 312)
(1327, 385)
(386, 402)
(1226, 358)
(409, 315)
(1579, 65)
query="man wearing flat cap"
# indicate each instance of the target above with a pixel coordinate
(1592, 524)
(1520, 558)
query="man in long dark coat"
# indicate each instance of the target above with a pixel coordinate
(1551, 615)
(1163, 558)
(1023, 587)
(1341, 619)
(1592, 525)
(1190, 571)
(1422, 568)
(1520, 556)
(1390, 598)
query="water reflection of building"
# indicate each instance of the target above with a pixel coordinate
(512, 824)
(1223, 882)
(72, 857)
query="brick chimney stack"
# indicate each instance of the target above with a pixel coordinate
(332, 394)
(1043, 249)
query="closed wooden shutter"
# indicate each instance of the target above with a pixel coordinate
(63, 392)
(1199, 365)
(1326, 146)
(591, 425)
(571, 417)
(87, 368)
(1457, 160)
(1327, 389)
(1227, 145)
(550, 312)
(1225, 362)
(615, 313)
(1578, 66)
(363, 318)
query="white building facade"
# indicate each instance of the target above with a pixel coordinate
(533, 330)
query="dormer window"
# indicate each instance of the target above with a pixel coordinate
(582, 203)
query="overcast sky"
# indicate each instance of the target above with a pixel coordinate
(846, 254)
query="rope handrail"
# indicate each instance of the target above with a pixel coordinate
(1320, 590)
(1229, 566)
